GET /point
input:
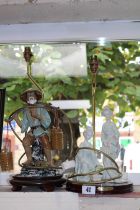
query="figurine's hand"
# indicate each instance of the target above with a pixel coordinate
(33, 113)
(36, 116)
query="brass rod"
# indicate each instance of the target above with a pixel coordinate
(94, 67)
(94, 108)
(28, 55)
(29, 74)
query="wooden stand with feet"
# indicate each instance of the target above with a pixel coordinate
(44, 183)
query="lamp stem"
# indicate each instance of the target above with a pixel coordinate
(28, 58)
(94, 67)
(94, 108)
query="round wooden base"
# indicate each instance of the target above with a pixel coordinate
(104, 188)
(45, 183)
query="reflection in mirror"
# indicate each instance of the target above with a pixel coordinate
(49, 60)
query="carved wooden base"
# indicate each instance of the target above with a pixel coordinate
(44, 183)
(105, 188)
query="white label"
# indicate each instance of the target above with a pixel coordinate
(88, 190)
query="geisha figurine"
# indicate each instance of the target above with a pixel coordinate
(110, 142)
(86, 160)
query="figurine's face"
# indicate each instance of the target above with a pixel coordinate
(107, 114)
(88, 133)
(31, 98)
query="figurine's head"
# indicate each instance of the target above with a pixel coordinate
(88, 133)
(107, 112)
(31, 96)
